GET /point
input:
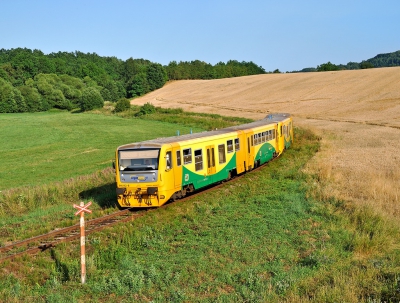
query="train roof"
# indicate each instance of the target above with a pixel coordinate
(269, 119)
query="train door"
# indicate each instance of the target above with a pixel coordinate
(210, 160)
(177, 155)
(280, 140)
(250, 151)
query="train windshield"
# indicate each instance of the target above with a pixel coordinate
(138, 159)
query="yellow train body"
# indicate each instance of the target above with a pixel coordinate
(150, 173)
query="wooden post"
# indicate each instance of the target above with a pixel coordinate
(81, 210)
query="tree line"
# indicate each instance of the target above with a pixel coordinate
(381, 60)
(32, 81)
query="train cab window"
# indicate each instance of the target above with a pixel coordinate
(198, 159)
(221, 153)
(187, 156)
(168, 160)
(229, 145)
(178, 158)
(237, 145)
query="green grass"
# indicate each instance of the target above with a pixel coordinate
(53, 146)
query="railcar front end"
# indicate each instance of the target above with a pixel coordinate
(138, 176)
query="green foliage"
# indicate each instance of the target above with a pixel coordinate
(327, 67)
(91, 99)
(201, 70)
(366, 64)
(11, 99)
(138, 85)
(156, 76)
(385, 60)
(33, 100)
(146, 109)
(122, 105)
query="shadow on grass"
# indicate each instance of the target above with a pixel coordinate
(103, 195)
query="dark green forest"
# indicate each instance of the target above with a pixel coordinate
(32, 81)
(381, 60)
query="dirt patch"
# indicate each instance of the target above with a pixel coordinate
(356, 112)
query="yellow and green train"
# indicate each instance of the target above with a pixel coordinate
(150, 173)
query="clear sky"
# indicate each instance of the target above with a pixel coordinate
(275, 34)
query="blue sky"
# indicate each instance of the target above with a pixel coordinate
(286, 34)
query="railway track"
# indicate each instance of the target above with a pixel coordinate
(51, 239)
(42, 242)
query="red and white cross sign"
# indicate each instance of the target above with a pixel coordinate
(83, 208)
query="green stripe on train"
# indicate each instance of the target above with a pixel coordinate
(265, 153)
(199, 180)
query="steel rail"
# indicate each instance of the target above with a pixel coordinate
(66, 234)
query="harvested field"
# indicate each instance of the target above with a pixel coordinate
(357, 114)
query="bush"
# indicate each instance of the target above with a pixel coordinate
(91, 99)
(122, 105)
(146, 109)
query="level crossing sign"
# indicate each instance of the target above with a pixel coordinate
(83, 208)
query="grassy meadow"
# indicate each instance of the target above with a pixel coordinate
(268, 237)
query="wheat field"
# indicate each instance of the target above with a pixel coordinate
(356, 113)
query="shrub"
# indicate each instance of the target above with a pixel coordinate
(146, 109)
(91, 99)
(122, 105)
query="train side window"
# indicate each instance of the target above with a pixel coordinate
(168, 160)
(263, 136)
(259, 138)
(178, 158)
(198, 159)
(270, 136)
(255, 140)
(237, 145)
(221, 153)
(187, 156)
(229, 145)
(252, 142)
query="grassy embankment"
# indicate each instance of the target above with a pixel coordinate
(269, 237)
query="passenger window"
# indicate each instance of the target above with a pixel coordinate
(178, 158)
(237, 145)
(187, 156)
(168, 160)
(221, 153)
(229, 146)
(198, 159)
